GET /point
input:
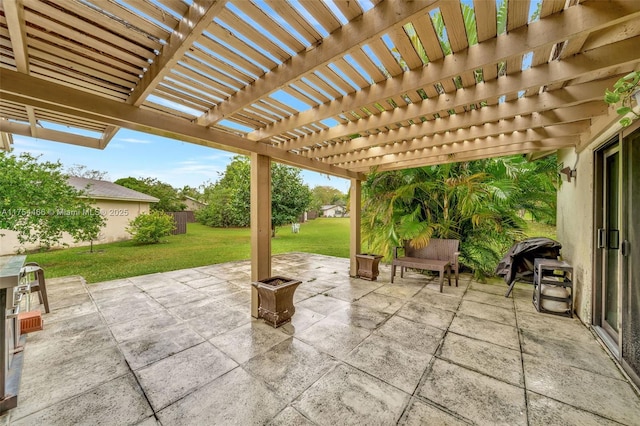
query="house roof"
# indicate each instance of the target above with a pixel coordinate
(104, 190)
(340, 87)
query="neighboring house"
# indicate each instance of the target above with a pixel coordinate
(118, 204)
(332, 211)
(193, 204)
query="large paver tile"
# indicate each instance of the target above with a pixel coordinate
(352, 292)
(290, 417)
(401, 289)
(544, 411)
(119, 401)
(437, 300)
(474, 396)
(346, 396)
(69, 312)
(489, 298)
(42, 387)
(554, 325)
(426, 314)
(235, 398)
(65, 340)
(290, 367)
(302, 319)
(420, 413)
(153, 347)
(174, 377)
(425, 337)
(323, 304)
(142, 327)
(219, 321)
(360, 317)
(399, 364)
(493, 360)
(489, 331)
(333, 337)
(380, 302)
(130, 309)
(499, 289)
(587, 355)
(249, 340)
(582, 389)
(488, 312)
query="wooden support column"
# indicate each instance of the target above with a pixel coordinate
(260, 223)
(355, 203)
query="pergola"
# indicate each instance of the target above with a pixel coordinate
(336, 86)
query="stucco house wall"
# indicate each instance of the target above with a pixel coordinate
(117, 204)
(575, 224)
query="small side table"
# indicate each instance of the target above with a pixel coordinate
(555, 274)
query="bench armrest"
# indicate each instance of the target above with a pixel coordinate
(455, 257)
(395, 251)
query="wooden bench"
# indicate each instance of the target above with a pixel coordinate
(439, 255)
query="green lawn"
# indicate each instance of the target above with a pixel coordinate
(201, 245)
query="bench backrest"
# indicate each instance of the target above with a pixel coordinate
(437, 249)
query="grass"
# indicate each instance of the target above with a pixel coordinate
(200, 246)
(535, 229)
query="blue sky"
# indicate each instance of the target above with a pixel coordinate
(137, 154)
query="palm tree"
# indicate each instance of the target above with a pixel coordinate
(476, 202)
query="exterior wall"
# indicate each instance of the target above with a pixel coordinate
(575, 224)
(575, 215)
(118, 214)
(193, 205)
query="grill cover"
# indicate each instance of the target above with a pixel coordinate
(518, 262)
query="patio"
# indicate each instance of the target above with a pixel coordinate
(181, 348)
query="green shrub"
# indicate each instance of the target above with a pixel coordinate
(150, 228)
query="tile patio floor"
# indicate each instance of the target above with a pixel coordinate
(180, 348)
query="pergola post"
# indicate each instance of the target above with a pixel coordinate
(355, 202)
(260, 223)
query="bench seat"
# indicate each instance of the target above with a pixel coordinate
(439, 255)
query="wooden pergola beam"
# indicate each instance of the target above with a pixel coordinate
(23, 89)
(516, 124)
(6, 140)
(478, 154)
(602, 59)
(556, 28)
(48, 134)
(562, 98)
(197, 19)
(371, 25)
(506, 140)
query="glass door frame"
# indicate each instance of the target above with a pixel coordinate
(605, 272)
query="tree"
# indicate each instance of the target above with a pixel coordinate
(326, 195)
(79, 170)
(170, 200)
(37, 202)
(229, 198)
(476, 202)
(187, 191)
(290, 197)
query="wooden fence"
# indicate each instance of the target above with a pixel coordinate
(180, 219)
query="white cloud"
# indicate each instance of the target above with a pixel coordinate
(134, 140)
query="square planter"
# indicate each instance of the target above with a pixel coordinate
(275, 299)
(368, 265)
